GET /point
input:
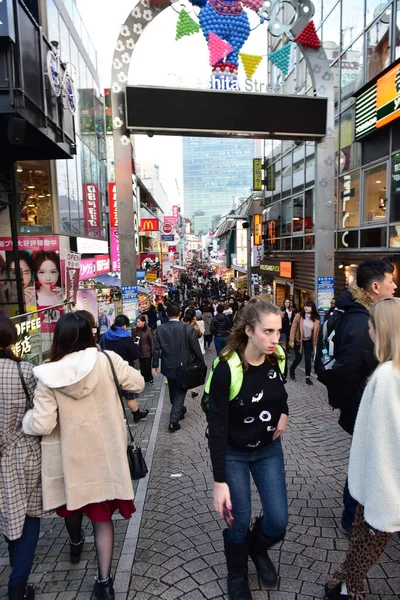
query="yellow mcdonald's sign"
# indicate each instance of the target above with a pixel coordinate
(257, 174)
(257, 230)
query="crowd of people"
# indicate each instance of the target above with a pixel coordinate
(63, 436)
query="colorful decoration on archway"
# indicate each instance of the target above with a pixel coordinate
(185, 25)
(308, 37)
(280, 58)
(218, 48)
(250, 63)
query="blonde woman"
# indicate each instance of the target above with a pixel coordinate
(374, 468)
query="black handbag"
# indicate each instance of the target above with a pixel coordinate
(191, 371)
(136, 462)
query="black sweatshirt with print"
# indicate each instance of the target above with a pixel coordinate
(248, 422)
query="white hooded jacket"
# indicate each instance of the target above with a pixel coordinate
(78, 412)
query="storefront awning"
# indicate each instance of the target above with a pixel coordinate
(111, 281)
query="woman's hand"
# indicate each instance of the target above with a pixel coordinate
(291, 344)
(222, 497)
(280, 428)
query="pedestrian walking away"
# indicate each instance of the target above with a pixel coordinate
(220, 328)
(143, 336)
(246, 421)
(354, 353)
(208, 315)
(119, 339)
(20, 466)
(78, 412)
(304, 336)
(287, 321)
(191, 317)
(374, 467)
(168, 344)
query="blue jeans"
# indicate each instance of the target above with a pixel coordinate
(268, 470)
(220, 343)
(22, 551)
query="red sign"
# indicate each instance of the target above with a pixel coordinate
(72, 268)
(102, 264)
(148, 224)
(112, 202)
(167, 228)
(91, 201)
(90, 267)
(175, 212)
(170, 220)
(146, 259)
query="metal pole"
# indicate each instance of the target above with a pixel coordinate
(249, 256)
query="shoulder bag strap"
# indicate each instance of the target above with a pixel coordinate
(185, 344)
(118, 390)
(27, 396)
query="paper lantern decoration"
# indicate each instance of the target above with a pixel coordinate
(250, 63)
(185, 25)
(281, 58)
(308, 37)
(218, 48)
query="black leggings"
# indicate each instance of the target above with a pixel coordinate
(308, 348)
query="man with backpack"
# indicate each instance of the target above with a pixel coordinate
(352, 352)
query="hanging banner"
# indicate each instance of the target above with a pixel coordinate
(130, 302)
(112, 202)
(257, 174)
(257, 228)
(72, 271)
(114, 248)
(87, 300)
(92, 215)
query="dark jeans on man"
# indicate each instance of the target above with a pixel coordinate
(220, 343)
(22, 551)
(207, 340)
(349, 511)
(307, 348)
(145, 368)
(267, 468)
(177, 397)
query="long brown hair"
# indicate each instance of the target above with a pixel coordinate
(249, 316)
(385, 318)
(8, 337)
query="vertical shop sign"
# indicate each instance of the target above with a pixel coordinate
(114, 244)
(326, 291)
(130, 302)
(72, 272)
(175, 213)
(257, 224)
(87, 300)
(112, 202)
(91, 200)
(241, 244)
(257, 174)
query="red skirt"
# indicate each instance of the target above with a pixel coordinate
(99, 512)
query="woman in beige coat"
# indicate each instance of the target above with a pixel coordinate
(304, 336)
(84, 462)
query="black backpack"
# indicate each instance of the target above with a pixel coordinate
(324, 361)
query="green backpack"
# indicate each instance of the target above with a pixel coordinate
(235, 365)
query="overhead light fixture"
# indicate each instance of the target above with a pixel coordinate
(354, 266)
(30, 186)
(40, 195)
(31, 206)
(340, 266)
(19, 168)
(378, 181)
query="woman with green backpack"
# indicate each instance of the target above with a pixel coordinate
(247, 415)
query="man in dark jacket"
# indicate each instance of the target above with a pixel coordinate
(168, 343)
(220, 326)
(354, 353)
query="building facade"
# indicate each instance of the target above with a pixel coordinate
(217, 172)
(361, 39)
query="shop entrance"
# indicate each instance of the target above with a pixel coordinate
(217, 112)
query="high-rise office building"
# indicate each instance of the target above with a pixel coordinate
(216, 173)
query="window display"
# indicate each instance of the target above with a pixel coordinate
(375, 195)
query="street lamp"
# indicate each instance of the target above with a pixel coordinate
(246, 225)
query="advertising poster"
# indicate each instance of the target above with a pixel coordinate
(87, 300)
(92, 213)
(106, 315)
(114, 243)
(39, 262)
(326, 291)
(130, 302)
(72, 271)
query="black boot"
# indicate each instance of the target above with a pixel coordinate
(259, 547)
(236, 561)
(103, 590)
(20, 591)
(139, 414)
(75, 550)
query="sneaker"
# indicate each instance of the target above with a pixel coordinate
(174, 427)
(309, 381)
(183, 413)
(139, 414)
(195, 394)
(345, 530)
(292, 374)
(151, 382)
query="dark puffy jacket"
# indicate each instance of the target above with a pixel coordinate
(152, 318)
(220, 325)
(120, 341)
(355, 360)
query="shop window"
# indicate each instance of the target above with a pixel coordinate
(375, 194)
(394, 236)
(376, 8)
(287, 217)
(309, 242)
(327, 6)
(397, 38)
(297, 243)
(353, 23)
(287, 173)
(350, 153)
(34, 188)
(352, 66)
(309, 211)
(286, 244)
(331, 29)
(298, 203)
(63, 200)
(378, 46)
(310, 169)
(349, 200)
(298, 170)
(53, 31)
(347, 239)
(373, 238)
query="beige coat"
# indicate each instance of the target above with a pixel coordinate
(296, 332)
(78, 412)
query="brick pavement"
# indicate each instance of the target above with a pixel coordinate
(175, 538)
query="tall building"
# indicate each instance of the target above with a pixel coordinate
(216, 173)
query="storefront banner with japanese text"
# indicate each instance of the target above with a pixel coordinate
(72, 271)
(91, 267)
(92, 214)
(87, 300)
(112, 199)
(114, 247)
